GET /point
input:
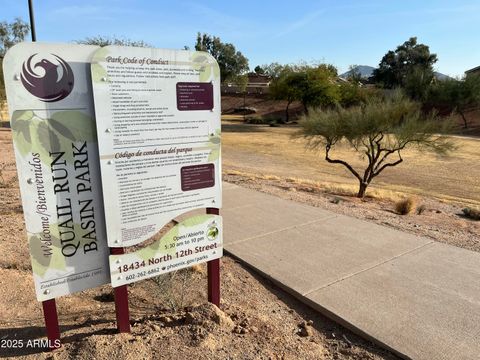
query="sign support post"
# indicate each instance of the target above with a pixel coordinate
(121, 301)
(51, 323)
(213, 270)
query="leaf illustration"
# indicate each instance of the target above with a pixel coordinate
(205, 73)
(195, 220)
(98, 73)
(22, 115)
(40, 261)
(215, 140)
(214, 154)
(23, 126)
(81, 126)
(165, 245)
(100, 55)
(62, 129)
(200, 58)
(48, 139)
(45, 256)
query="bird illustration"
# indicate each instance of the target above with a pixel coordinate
(48, 87)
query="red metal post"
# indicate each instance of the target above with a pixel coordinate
(51, 323)
(213, 269)
(121, 301)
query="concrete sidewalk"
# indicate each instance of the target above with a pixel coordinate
(411, 294)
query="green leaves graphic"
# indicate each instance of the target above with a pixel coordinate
(208, 70)
(32, 133)
(164, 245)
(48, 138)
(46, 257)
(195, 220)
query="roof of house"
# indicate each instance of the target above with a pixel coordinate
(472, 70)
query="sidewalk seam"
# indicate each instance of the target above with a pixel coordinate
(280, 230)
(370, 268)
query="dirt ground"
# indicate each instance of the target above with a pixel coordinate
(169, 315)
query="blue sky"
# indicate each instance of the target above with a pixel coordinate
(339, 32)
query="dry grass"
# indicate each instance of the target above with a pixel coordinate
(319, 186)
(257, 149)
(405, 206)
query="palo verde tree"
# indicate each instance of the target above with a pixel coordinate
(378, 131)
(233, 65)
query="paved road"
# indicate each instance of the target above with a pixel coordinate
(416, 296)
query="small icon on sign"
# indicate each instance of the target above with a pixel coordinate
(212, 232)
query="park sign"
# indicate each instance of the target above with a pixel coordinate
(158, 119)
(54, 136)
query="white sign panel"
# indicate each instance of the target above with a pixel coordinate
(54, 135)
(158, 116)
(192, 241)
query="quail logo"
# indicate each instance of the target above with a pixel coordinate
(49, 79)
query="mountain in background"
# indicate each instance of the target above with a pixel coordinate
(367, 71)
(441, 77)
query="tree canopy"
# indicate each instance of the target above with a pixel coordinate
(312, 85)
(378, 131)
(12, 33)
(456, 95)
(404, 65)
(232, 63)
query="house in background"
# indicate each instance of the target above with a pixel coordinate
(474, 71)
(257, 84)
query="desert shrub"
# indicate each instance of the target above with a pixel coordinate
(246, 110)
(267, 119)
(421, 209)
(4, 182)
(257, 120)
(471, 213)
(405, 206)
(174, 288)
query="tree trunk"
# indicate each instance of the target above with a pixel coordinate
(465, 125)
(362, 189)
(286, 112)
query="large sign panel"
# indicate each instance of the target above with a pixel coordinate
(158, 120)
(54, 135)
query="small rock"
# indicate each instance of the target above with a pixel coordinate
(310, 322)
(155, 327)
(438, 211)
(304, 329)
(166, 319)
(239, 330)
(253, 329)
(245, 323)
